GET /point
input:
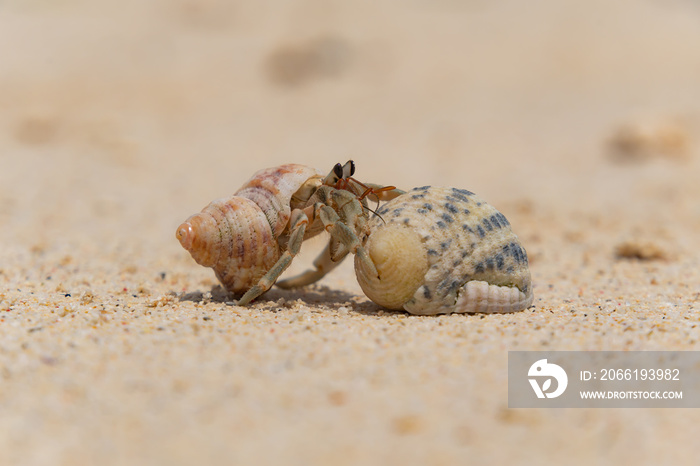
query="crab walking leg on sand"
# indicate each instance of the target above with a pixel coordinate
(250, 238)
(296, 237)
(341, 227)
(323, 264)
(343, 230)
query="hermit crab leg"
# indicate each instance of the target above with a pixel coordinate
(299, 221)
(323, 264)
(343, 239)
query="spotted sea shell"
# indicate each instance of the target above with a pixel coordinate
(442, 250)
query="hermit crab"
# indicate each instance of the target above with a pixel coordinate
(250, 238)
(440, 250)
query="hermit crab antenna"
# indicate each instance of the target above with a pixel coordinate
(374, 211)
(373, 191)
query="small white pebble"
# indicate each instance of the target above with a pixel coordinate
(343, 310)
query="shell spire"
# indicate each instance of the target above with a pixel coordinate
(239, 236)
(233, 237)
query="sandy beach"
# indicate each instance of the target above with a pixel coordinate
(579, 121)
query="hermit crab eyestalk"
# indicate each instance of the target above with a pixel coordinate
(348, 169)
(194, 237)
(340, 172)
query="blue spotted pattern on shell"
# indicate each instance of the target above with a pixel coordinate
(442, 250)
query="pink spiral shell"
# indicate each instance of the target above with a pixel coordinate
(238, 236)
(272, 190)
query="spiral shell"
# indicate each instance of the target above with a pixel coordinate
(241, 237)
(442, 250)
(275, 189)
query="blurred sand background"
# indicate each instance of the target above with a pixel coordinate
(579, 120)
